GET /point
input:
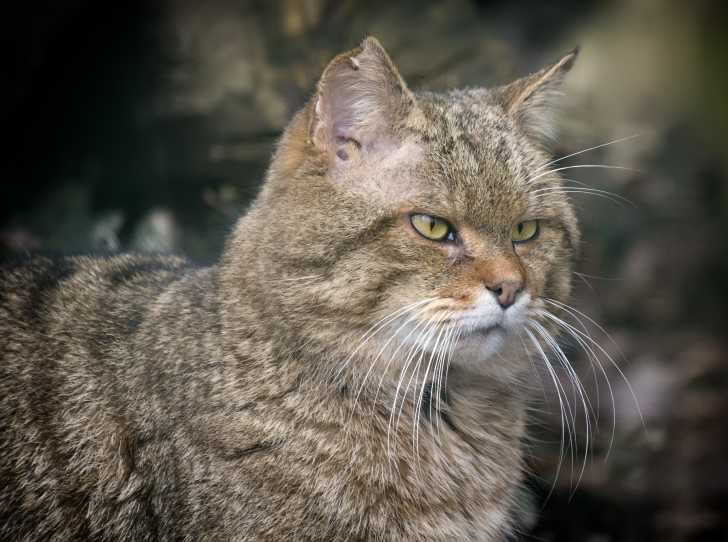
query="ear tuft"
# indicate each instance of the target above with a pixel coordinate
(533, 100)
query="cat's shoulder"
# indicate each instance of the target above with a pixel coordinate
(50, 270)
(31, 283)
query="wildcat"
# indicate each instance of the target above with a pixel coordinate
(351, 369)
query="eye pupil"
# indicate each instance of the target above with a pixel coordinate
(524, 231)
(432, 227)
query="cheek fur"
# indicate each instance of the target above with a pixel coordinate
(548, 265)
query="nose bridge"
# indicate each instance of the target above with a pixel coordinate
(497, 267)
(503, 275)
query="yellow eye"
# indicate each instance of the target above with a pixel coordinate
(433, 228)
(524, 231)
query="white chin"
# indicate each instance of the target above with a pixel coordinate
(481, 345)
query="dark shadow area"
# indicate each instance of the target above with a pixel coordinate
(148, 127)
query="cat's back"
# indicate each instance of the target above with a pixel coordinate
(41, 292)
(74, 311)
(75, 345)
(91, 318)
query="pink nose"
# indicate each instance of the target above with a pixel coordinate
(506, 292)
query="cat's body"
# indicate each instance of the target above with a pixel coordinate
(136, 430)
(144, 399)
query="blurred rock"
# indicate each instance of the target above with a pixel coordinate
(105, 232)
(156, 233)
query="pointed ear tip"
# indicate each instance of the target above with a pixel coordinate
(568, 60)
(372, 48)
(370, 41)
(372, 45)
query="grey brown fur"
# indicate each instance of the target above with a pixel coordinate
(142, 398)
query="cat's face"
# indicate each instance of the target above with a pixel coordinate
(417, 222)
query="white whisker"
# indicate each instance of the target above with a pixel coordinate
(383, 348)
(620, 140)
(594, 359)
(609, 358)
(606, 194)
(402, 375)
(564, 418)
(575, 313)
(448, 361)
(432, 325)
(449, 334)
(378, 326)
(580, 166)
(418, 406)
(574, 378)
(299, 279)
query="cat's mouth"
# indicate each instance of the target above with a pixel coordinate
(479, 328)
(482, 341)
(489, 331)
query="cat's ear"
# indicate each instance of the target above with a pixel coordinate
(533, 100)
(359, 102)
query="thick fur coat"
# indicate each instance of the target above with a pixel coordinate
(330, 378)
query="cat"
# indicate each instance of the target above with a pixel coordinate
(351, 369)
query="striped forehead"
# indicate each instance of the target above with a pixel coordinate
(478, 157)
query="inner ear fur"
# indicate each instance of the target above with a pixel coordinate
(359, 101)
(532, 101)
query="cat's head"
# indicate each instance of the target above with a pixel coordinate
(389, 215)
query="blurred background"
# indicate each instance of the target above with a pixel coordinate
(145, 126)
